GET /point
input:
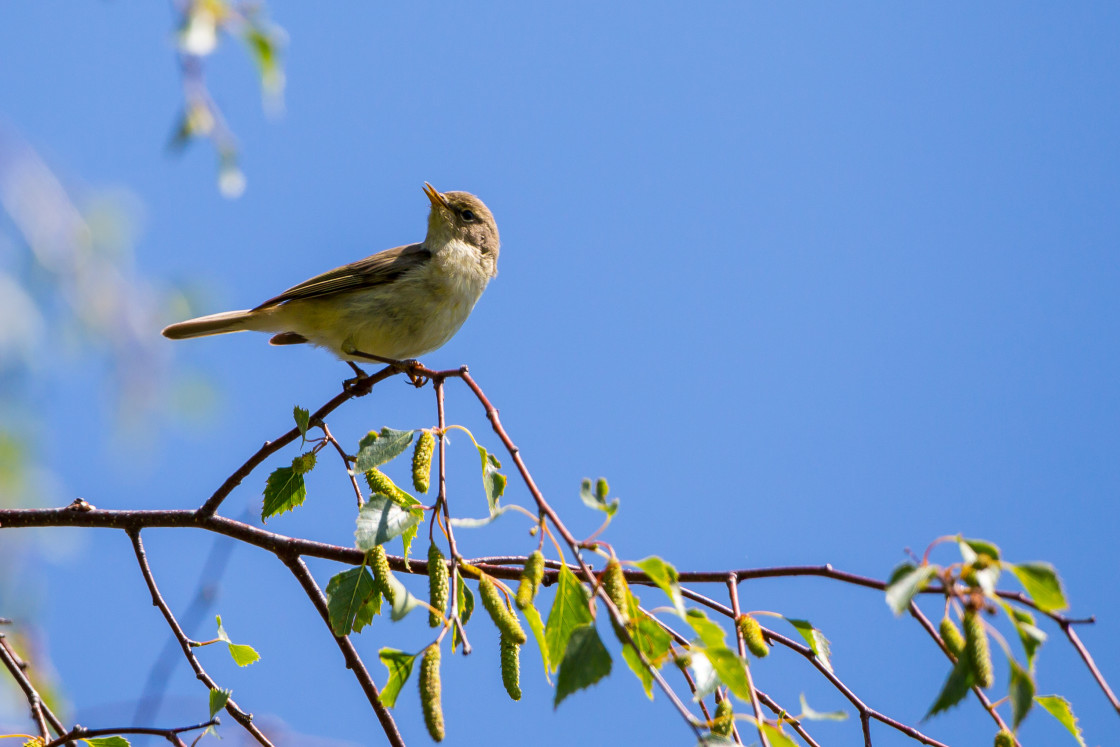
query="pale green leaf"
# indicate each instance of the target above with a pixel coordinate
(381, 519)
(1059, 708)
(242, 654)
(812, 715)
(218, 700)
(816, 640)
(399, 665)
(1021, 692)
(1042, 584)
(1030, 635)
(378, 448)
(107, 741)
(595, 499)
(665, 576)
(493, 481)
(902, 590)
(533, 617)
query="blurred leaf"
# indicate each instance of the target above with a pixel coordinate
(901, 591)
(468, 523)
(399, 665)
(816, 640)
(711, 634)
(593, 500)
(665, 576)
(1029, 634)
(981, 547)
(1042, 584)
(381, 519)
(899, 571)
(654, 644)
(1059, 708)
(379, 448)
(776, 736)
(585, 662)
(346, 593)
(732, 670)
(106, 741)
(533, 617)
(218, 700)
(1020, 690)
(283, 492)
(569, 611)
(811, 715)
(403, 601)
(956, 687)
(981, 563)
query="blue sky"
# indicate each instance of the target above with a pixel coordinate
(807, 284)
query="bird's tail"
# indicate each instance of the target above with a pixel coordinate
(214, 324)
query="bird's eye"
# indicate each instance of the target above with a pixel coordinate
(468, 216)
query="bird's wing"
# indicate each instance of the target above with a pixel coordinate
(380, 268)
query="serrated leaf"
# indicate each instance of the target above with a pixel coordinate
(812, 715)
(399, 665)
(283, 492)
(303, 420)
(1042, 584)
(106, 741)
(218, 700)
(370, 607)
(569, 612)
(533, 617)
(654, 644)
(584, 663)
(816, 640)
(665, 576)
(1020, 690)
(1059, 708)
(956, 687)
(378, 448)
(1030, 635)
(346, 593)
(493, 481)
(592, 499)
(901, 591)
(243, 654)
(381, 519)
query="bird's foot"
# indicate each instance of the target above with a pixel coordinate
(412, 368)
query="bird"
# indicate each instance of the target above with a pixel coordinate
(392, 306)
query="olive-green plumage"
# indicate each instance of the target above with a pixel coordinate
(752, 636)
(977, 649)
(438, 585)
(721, 723)
(430, 692)
(500, 613)
(379, 564)
(422, 462)
(511, 667)
(531, 578)
(951, 634)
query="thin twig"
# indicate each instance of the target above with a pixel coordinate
(239, 715)
(39, 710)
(441, 504)
(733, 592)
(171, 735)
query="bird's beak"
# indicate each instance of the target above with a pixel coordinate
(437, 199)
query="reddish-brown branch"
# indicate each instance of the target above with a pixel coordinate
(171, 735)
(40, 713)
(239, 715)
(349, 653)
(1092, 665)
(733, 592)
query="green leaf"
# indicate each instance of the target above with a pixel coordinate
(711, 634)
(1059, 708)
(493, 482)
(242, 654)
(303, 419)
(369, 608)
(1031, 636)
(899, 571)
(464, 605)
(403, 601)
(703, 673)
(585, 662)
(468, 523)
(304, 463)
(399, 665)
(378, 448)
(218, 700)
(537, 626)
(901, 591)
(731, 668)
(816, 640)
(569, 611)
(653, 642)
(665, 576)
(283, 492)
(776, 736)
(981, 547)
(811, 715)
(381, 519)
(1042, 584)
(346, 593)
(956, 687)
(592, 499)
(107, 741)
(1021, 692)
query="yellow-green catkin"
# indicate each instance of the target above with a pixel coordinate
(951, 634)
(977, 649)
(430, 692)
(1005, 739)
(499, 612)
(531, 578)
(752, 635)
(438, 585)
(721, 723)
(379, 482)
(422, 462)
(511, 667)
(379, 564)
(614, 583)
